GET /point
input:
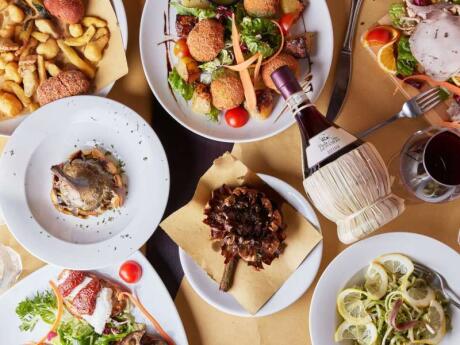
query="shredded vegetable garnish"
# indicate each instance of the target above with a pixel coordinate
(149, 316)
(451, 87)
(60, 311)
(245, 65)
(281, 45)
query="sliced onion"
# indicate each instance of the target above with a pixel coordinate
(404, 326)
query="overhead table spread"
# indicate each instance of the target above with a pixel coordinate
(372, 98)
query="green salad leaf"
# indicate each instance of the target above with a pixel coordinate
(225, 57)
(213, 115)
(180, 85)
(396, 12)
(405, 62)
(260, 36)
(42, 306)
(200, 13)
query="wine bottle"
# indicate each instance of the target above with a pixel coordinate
(344, 177)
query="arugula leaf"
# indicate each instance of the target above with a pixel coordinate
(200, 13)
(260, 36)
(180, 85)
(396, 12)
(405, 62)
(42, 306)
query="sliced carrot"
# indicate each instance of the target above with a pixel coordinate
(149, 316)
(60, 311)
(452, 88)
(281, 45)
(245, 64)
(257, 69)
(249, 91)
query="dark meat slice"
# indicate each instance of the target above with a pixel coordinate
(85, 301)
(185, 24)
(73, 279)
(297, 47)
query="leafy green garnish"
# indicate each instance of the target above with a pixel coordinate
(260, 36)
(213, 115)
(443, 93)
(42, 306)
(225, 57)
(406, 62)
(396, 12)
(180, 85)
(200, 13)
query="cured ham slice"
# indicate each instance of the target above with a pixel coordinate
(435, 45)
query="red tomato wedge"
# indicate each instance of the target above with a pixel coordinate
(380, 35)
(288, 20)
(181, 48)
(130, 272)
(237, 117)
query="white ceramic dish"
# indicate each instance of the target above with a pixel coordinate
(47, 137)
(150, 289)
(154, 60)
(292, 289)
(426, 250)
(7, 127)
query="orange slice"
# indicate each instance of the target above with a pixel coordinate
(386, 58)
(456, 80)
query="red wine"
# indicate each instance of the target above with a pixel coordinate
(322, 141)
(442, 158)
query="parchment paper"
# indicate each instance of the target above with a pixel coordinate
(251, 288)
(113, 65)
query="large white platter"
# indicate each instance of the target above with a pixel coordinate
(354, 260)
(150, 289)
(8, 126)
(316, 18)
(48, 137)
(291, 290)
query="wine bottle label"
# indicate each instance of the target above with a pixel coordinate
(326, 143)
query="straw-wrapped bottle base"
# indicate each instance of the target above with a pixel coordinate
(354, 191)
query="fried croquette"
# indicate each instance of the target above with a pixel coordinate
(282, 59)
(262, 8)
(206, 40)
(227, 90)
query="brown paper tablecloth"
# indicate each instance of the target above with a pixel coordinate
(371, 99)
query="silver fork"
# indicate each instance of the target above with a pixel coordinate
(413, 108)
(438, 280)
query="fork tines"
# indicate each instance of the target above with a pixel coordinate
(429, 99)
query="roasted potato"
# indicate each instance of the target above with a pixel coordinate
(7, 45)
(94, 21)
(188, 69)
(3, 4)
(196, 3)
(40, 36)
(101, 32)
(93, 50)
(7, 31)
(76, 60)
(41, 68)
(265, 104)
(52, 69)
(12, 72)
(46, 26)
(9, 104)
(15, 14)
(83, 39)
(75, 30)
(12, 87)
(69, 11)
(291, 6)
(201, 99)
(49, 49)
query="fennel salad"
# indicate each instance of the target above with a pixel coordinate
(393, 306)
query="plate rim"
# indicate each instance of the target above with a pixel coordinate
(183, 256)
(137, 256)
(328, 26)
(67, 262)
(351, 251)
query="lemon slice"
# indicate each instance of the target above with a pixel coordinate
(363, 334)
(435, 325)
(419, 295)
(386, 58)
(456, 80)
(397, 264)
(351, 307)
(376, 281)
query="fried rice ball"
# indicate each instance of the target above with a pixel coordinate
(206, 40)
(227, 90)
(262, 8)
(282, 59)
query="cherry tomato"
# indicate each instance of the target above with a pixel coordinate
(287, 21)
(381, 35)
(181, 48)
(130, 272)
(237, 117)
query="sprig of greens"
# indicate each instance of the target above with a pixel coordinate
(180, 85)
(396, 12)
(42, 306)
(200, 13)
(406, 62)
(260, 36)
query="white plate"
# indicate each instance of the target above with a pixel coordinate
(317, 20)
(7, 127)
(48, 137)
(291, 290)
(150, 289)
(353, 260)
